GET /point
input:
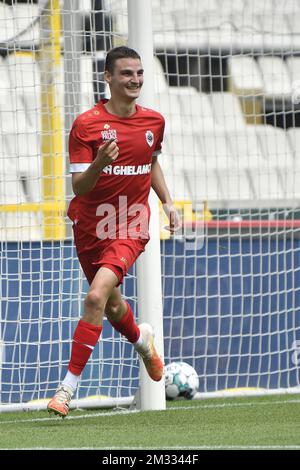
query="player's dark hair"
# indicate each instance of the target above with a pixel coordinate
(121, 52)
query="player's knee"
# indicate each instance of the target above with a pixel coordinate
(94, 301)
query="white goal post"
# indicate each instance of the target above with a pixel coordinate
(149, 285)
(223, 294)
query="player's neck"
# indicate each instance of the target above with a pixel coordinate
(120, 108)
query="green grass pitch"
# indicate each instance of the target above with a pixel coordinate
(271, 422)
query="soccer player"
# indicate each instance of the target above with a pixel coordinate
(113, 151)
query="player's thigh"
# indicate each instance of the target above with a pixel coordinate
(102, 286)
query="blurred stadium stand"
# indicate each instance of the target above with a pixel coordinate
(218, 105)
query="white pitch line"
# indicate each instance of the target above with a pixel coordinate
(69, 418)
(174, 408)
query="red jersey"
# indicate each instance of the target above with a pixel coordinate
(117, 207)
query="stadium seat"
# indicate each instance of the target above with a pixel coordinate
(247, 20)
(233, 178)
(193, 5)
(11, 189)
(7, 104)
(276, 147)
(180, 147)
(120, 21)
(25, 79)
(200, 176)
(245, 75)
(274, 23)
(177, 186)
(245, 147)
(22, 128)
(178, 150)
(160, 82)
(293, 64)
(195, 108)
(246, 82)
(196, 16)
(16, 226)
(286, 6)
(184, 91)
(236, 187)
(293, 22)
(162, 21)
(277, 161)
(190, 21)
(293, 175)
(256, 5)
(14, 189)
(194, 159)
(267, 185)
(276, 78)
(23, 17)
(214, 150)
(171, 110)
(247, 152)
(212, 173)
(25, 149)
(293, 134)
(231, 6)
(86, 82)
(6, 22)
(227, 110)
(242, 171)
(4, 77)
(203, 186)
(13, 114)
(85, 6)
(8, 163)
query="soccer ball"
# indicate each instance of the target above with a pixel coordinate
(181, 380)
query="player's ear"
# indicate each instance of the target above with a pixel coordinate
(107, 76)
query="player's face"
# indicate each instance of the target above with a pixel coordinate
(127, 79)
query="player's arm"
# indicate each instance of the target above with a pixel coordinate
(84, 182)
(159, 185)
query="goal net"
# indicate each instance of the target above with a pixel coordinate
(227, 80)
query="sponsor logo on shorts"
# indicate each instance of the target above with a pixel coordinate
(124, 260)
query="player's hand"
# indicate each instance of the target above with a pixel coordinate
(174, 218)
(107, 153)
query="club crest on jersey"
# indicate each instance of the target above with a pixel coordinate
(149, 138)
(109, 134)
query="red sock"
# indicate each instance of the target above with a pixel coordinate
(84, 340)
(127, 326)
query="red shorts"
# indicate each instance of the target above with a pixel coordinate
(118, 255)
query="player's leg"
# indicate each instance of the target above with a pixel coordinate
(85, 337)
(121, 317)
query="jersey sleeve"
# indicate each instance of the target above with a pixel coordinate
(80, 152)
(157, 150)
